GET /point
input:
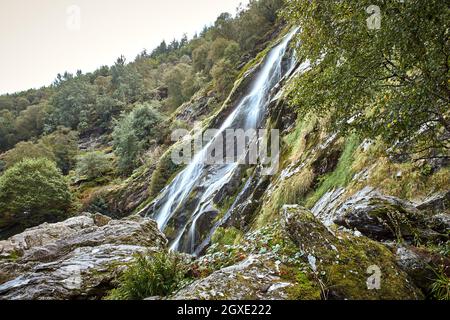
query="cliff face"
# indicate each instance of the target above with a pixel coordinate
(339, 220)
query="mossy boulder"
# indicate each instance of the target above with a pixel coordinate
(382, 217)
(258, 277)
(344, 263)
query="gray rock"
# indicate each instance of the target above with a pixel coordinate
(43, 234)
(73, 259)
(382, 217)
(416, 265)
(255, 278)
(440, 222)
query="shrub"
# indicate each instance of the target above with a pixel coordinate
(135, 132)
(24, 150)
(126, 145)
(93, 165)
(440, 289)
(148, 276)
(31, 192)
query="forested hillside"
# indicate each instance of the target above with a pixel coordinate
(98, 126)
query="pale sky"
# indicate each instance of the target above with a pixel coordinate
(41, 38)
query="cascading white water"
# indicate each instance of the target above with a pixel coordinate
(211, 178)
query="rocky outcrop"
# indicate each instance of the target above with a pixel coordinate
(255, 278)
(77, 258)
(421, 264)
(380, 217)
(347, 264)
(437, 203)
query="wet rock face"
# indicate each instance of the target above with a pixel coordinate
(347, 264)
(380, 217)
(197, 109)
(255, 278)
(77, 258)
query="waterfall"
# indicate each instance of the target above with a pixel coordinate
(205, 179)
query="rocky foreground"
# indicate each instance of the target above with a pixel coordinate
(297, 257)
(75, 259)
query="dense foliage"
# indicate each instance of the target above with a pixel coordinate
(389, 79)
(33, 191)
(165, 78)
(93, 164)
(148, 276)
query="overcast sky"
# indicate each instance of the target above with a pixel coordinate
(41, 38)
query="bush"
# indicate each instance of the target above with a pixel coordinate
(158, 275)
(24, 150)
(223, 74)
(93, 165)
(63, 143)
(134, 132)
(33, 191)
(440, 289)
(126, 145)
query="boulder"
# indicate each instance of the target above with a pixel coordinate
(382, 217)
(416, 265)
(347, 264)
(77, 258)
(420, 263)
(255, 278)
(437, 203)
(43, 234)
(440, 222)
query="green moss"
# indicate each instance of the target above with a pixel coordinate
(347, 275)
(226, 236)
(339, 177)
(13, 256)
(303, 288)
(254, 62)
(164, 172)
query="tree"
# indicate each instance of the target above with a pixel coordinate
(200, 57)
(146, 121)
(33, 191)
(6, 103)
(26, 150)
(224, 27)
(30, 122)
(134, 132)
(126, 145)
(390, 81)
(93, 165)
(72, 97)
(174, 78)
(127, 82)
(269, 9)
(7, 130)
(106, 108)
(224, 75)
(63, 143)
